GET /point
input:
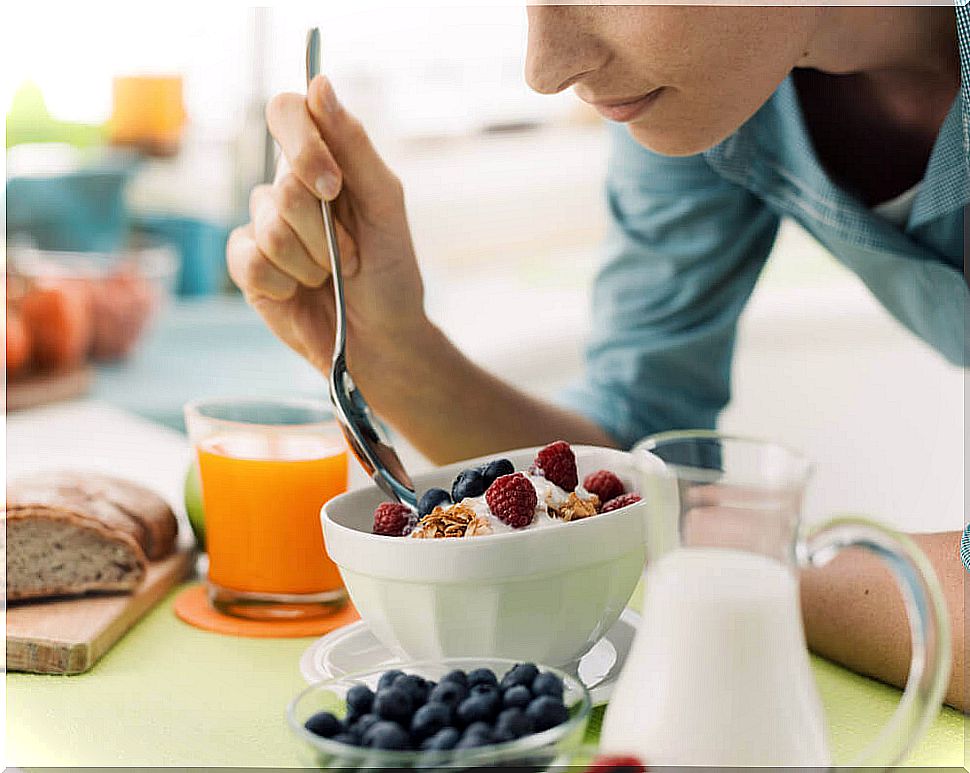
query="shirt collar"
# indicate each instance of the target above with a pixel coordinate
(776, 136)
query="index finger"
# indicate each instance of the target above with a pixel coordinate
(305, 151)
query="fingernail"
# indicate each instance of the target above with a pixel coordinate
(328, 186)
(330, 101)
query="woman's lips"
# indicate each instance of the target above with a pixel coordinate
(627, 111)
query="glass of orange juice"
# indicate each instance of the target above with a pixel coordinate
(266, 467)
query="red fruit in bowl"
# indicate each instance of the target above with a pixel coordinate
(512, 499)
(121, 305)
(392, 519)
(620, 501)
(58, 317)
(604, 484)
(557, 462)
(18, 343)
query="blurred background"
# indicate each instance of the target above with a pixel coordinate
(131, 150)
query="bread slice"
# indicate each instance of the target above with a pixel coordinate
(55, 551)
(117, 503)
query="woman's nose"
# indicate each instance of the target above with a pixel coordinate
(561, 49)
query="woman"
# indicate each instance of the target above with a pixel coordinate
(852, 121)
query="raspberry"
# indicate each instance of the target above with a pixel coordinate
(558, 465)
(616, 763)
(392, 519)
(512, 499)
(621, 501)
(604, 484)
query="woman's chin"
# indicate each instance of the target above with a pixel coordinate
(680, 142)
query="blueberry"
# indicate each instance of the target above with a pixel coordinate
(496, 469)
(469, 483)
(475, 736)
(415, 687)
(546, 711)
(324, 724)
(443, 740)
(387, 678)
(523, 673)
(348, 738)
(512, 724)
(482, 676)
(547, 684)
(364, 723)
(450, 694)
(360, 699)
(431, 499)
(477, 708)
(478, 728)
(489, 693)
(458, 676)
(429, 719)
(394, 705)
(386, 735)
(517, 697)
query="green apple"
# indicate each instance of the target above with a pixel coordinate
(193, 504)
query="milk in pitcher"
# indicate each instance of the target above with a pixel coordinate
(719, 673)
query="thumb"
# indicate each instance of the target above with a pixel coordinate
(366, 176)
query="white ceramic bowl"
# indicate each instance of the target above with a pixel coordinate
(544, 595)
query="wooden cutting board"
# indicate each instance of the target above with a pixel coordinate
(69, 636)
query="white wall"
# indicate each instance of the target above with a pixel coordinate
(828, 371)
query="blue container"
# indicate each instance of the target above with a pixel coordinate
(201, 246)
(82, 211)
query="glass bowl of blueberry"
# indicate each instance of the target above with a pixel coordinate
(454, 713)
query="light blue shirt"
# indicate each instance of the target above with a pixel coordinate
(689, 237)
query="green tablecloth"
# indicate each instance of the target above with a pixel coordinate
(168, 694)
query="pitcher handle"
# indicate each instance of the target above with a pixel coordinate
(929, 626)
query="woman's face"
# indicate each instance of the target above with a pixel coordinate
(682, 78)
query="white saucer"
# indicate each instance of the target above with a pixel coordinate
(354, 648)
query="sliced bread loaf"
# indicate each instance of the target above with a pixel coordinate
(53, 551)
(118, 504)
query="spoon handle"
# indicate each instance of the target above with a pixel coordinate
(329, 228)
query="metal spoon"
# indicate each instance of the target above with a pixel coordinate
(372, 449)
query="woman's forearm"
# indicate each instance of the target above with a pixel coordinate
(854, 613)
(449, 408)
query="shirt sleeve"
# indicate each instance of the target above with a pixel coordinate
(684, 250)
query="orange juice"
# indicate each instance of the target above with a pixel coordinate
(262, 497)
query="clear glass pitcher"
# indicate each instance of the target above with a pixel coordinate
(719, 674)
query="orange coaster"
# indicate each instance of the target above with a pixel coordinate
(192, 606)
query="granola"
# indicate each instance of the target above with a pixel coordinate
(576, 507)
(479, 527)
(441, 522)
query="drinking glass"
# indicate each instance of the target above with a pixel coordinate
(266, 467)
(719, 672)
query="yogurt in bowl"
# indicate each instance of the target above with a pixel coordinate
(539, 594)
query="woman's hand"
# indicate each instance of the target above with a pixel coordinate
(411, 374)
(280, 259)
